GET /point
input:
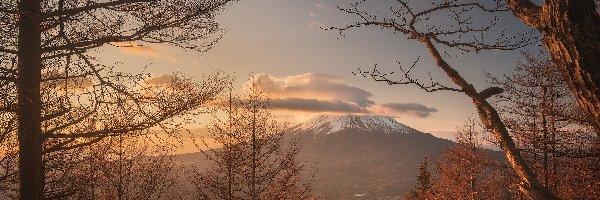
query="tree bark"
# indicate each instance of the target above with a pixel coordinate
(572, 35)
(571, 31)
(30, 103)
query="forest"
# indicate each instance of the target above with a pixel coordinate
(77, 124)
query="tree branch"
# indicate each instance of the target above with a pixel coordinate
(10, 51)
(91, 7)
(527, 11)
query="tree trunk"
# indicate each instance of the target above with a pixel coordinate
(30, 103)
(254, 149)
(571, 30)
(572, 35)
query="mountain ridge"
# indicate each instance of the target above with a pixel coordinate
(376, 157)
(327, 123)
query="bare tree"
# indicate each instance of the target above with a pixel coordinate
(549, 128)
(465, 170)
(8, 156)
(468, 171)
(424, 188)
(42, 36)
(255, 161)
(463, 35)
(125, 167)
(99, 114)
(572, 37)
(221, 181)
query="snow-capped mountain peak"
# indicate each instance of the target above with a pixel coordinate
(325, 124)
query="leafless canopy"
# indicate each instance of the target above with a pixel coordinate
(457, 32)
(257, 159)
(81, 97)
(454, 27)
(78, 86)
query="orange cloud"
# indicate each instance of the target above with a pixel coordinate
(164, 84)
(141, 50)
(136, 49)
(72, 84)
(163, 79)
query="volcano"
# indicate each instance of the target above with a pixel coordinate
(364, 156)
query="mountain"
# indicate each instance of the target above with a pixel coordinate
(325, 124)
(357, 156)
(364, 157)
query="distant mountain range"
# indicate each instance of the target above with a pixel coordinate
(360, 156)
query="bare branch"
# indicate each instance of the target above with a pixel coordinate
(452, 37)
(64, 145)
(92, 6)
(6, 50)
(407, 79)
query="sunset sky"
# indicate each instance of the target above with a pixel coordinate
(308, 70)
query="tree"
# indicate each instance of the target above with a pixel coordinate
(468, 171)
(8, 155)
(129, 167)
(463, 35)
(549, 128)
(572, 37)
(256, 161)
(39, 37)
(424, 187)
(164, 106)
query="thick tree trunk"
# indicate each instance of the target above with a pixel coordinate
(29, 106)
(572, 35)
(571, 30)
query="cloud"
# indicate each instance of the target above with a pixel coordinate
(313, 86)
(164, 84)
(316, 92)
(83, 82)
(131, 48)
(163, 79)
(74, 83)
(397, 109)
(315, 105)
(141, 50)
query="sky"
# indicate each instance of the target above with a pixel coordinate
(308, 70)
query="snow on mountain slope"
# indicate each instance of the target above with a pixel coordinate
(325, 124)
